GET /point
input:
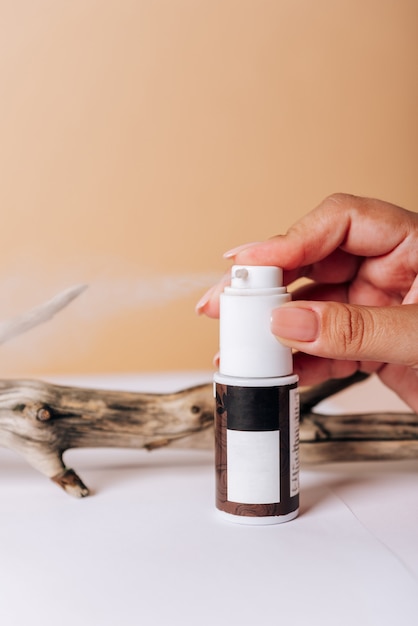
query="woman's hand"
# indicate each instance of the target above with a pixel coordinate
(360, 308)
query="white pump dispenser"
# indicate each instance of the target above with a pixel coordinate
(247, 346)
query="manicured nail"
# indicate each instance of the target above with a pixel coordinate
(203, 301)
(231, 253)
(295, 323)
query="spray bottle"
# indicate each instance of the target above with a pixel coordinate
(257, 404)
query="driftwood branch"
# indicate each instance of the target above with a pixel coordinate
(354, 437)
(41, 421)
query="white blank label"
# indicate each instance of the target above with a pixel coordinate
(253, 466)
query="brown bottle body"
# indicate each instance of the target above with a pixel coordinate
(257, 449)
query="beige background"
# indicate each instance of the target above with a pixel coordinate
(140, 139)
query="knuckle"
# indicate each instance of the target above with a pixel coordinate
(339, 198)
(345, 202)
(351, 330)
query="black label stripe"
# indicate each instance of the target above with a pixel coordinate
(256, 408)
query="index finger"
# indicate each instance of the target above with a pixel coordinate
(361, 227)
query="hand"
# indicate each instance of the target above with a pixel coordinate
(360, 308)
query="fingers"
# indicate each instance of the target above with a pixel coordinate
(362, 227)
(350, 332)
(329, 245)
(412, 295)
(313, 370)
(403, 381)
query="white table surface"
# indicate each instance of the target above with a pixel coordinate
(148, 548)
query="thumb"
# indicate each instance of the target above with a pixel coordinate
(345, 331)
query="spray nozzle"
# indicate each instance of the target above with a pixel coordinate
(256, 277)
(241, 272)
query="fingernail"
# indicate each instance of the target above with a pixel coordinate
(292, 322)
(203, 301)
(231, 253)
(216, 359)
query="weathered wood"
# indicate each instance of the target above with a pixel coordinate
(365, 437)
(41, 421)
